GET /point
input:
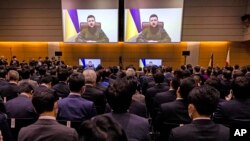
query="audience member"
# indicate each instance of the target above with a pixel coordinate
(62, 88)
(175, 112)
(236, 109)
(46, 127)
(119, 96)
(92, 93)
(74, 107)
(10, 90)
(101, 128)
(202, 103)
(21, 106)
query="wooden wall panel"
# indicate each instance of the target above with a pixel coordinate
(30, 20)
(219, 49)
(130, 53)
(213, 20)
(23, 50)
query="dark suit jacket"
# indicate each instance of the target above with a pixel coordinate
(3, 82)
(138, 108)
(61, 89)
(75, 108)
(150, 94)
(9, 91)
(164, 97)
(47, 130)
(97, 96)
(200, 130)
(175, 112)
(5, 129)
(136, 128)
(20, 107)
(232, 110)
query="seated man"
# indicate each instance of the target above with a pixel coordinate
(153, 33)
(46, 128)
(119, 96)
(202, 103)
(92, 33)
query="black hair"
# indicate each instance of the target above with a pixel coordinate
(158, 77)
(25, 87)
(101, 128)
(43, 101)
(240, 87)
(153, 15)
(186, 86)
(76, 82)
(119, 95)
(25, 73)
(63, 74)
(90, 16)
(205, 99)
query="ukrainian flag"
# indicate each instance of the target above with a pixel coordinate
(133, 23)
(71, 24)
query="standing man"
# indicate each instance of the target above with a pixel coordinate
(92, 33)
(153, 33)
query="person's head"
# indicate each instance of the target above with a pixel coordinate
(175, 83)
(91, 21)
(26, 87)
(158, 77)
(76, 82)
(47, 79)
(186, 86)
(119, 95)
(130, 72)
(153, 19)
(13, 75)
(3, 73)
(240, 87)
(63, 74)
(101, 128)
(90, 76)
(25, 73)
(203, 101)
(44, 101)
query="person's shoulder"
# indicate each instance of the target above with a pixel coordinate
(138, 119)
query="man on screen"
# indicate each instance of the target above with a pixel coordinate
(92, 33)
(153, 33)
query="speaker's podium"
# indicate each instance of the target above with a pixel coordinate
(185, 54)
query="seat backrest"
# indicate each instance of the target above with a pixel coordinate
(85, 25)
(147, 24)
(17, 123)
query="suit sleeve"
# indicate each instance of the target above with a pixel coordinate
(75, 136)
(219, 115)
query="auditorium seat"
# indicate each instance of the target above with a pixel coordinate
(73, 124)
(17, 123)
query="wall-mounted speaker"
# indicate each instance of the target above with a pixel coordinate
(185, 53)
(58, 53)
